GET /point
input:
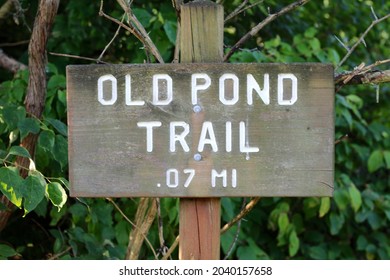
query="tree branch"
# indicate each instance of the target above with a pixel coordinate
(143, 35)
(177, 5)
(146, 213)
(10, 64)
(36, 89)
(364, 75)
(240, 215)
(361, 39)
(78, 57)
(134, 225)
(270, 18)
(241, 8)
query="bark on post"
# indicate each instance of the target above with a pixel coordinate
(201, 41)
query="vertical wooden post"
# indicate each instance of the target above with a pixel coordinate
(201, 40)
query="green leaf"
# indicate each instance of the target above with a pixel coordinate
(7, 251)
(318, 252)
(336, 223)
(143, 16)
(60, 150)
(304, 49)
(355, 100)
(315, 45)
(341, 197)
(356, 198)
(170, 29)
(333, 56)
(11, 185)
(293, 244)
(33, 193)
(228, 208)
(58, 125)
(386, 156)
(361, 242)
(12, 115)
(57, 195)
(375, 161)
(324, 206)
(56, 81)
(122, 230)
(19, 151)
(28, 125)
(311, 32)
(283, 222)
(374, 220)
(46, 140)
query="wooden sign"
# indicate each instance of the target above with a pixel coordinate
(201, 130)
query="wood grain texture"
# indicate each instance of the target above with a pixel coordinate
(108, 154)
(200, 218)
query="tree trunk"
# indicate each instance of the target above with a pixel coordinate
(36, 90)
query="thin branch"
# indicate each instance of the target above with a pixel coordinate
(134, 225)
(341, 139)
(177, 6)
(10, 64)
(78, 57)
(176, 56)
(270, 18)
(131, 30)
(375, 77)
(236, 11)
(240, 215)
(14, 44)
(373, 13)
(341, 43)
(361, 39)
(230, 251)
(144, 36)
(240, 9)
(112, 40)
(163, 248)
(56, 256)
(171, 249)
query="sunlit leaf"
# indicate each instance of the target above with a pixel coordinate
(56, 193)
(356, 198)
(324, 206)
(11, 185)
(293, 245)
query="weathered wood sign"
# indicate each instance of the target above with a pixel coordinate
(201, 130)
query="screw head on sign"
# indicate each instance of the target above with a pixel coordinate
(197, 157)
(197, 109)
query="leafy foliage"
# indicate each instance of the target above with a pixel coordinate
(354, 224)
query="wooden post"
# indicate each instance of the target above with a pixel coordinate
(201, 40)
